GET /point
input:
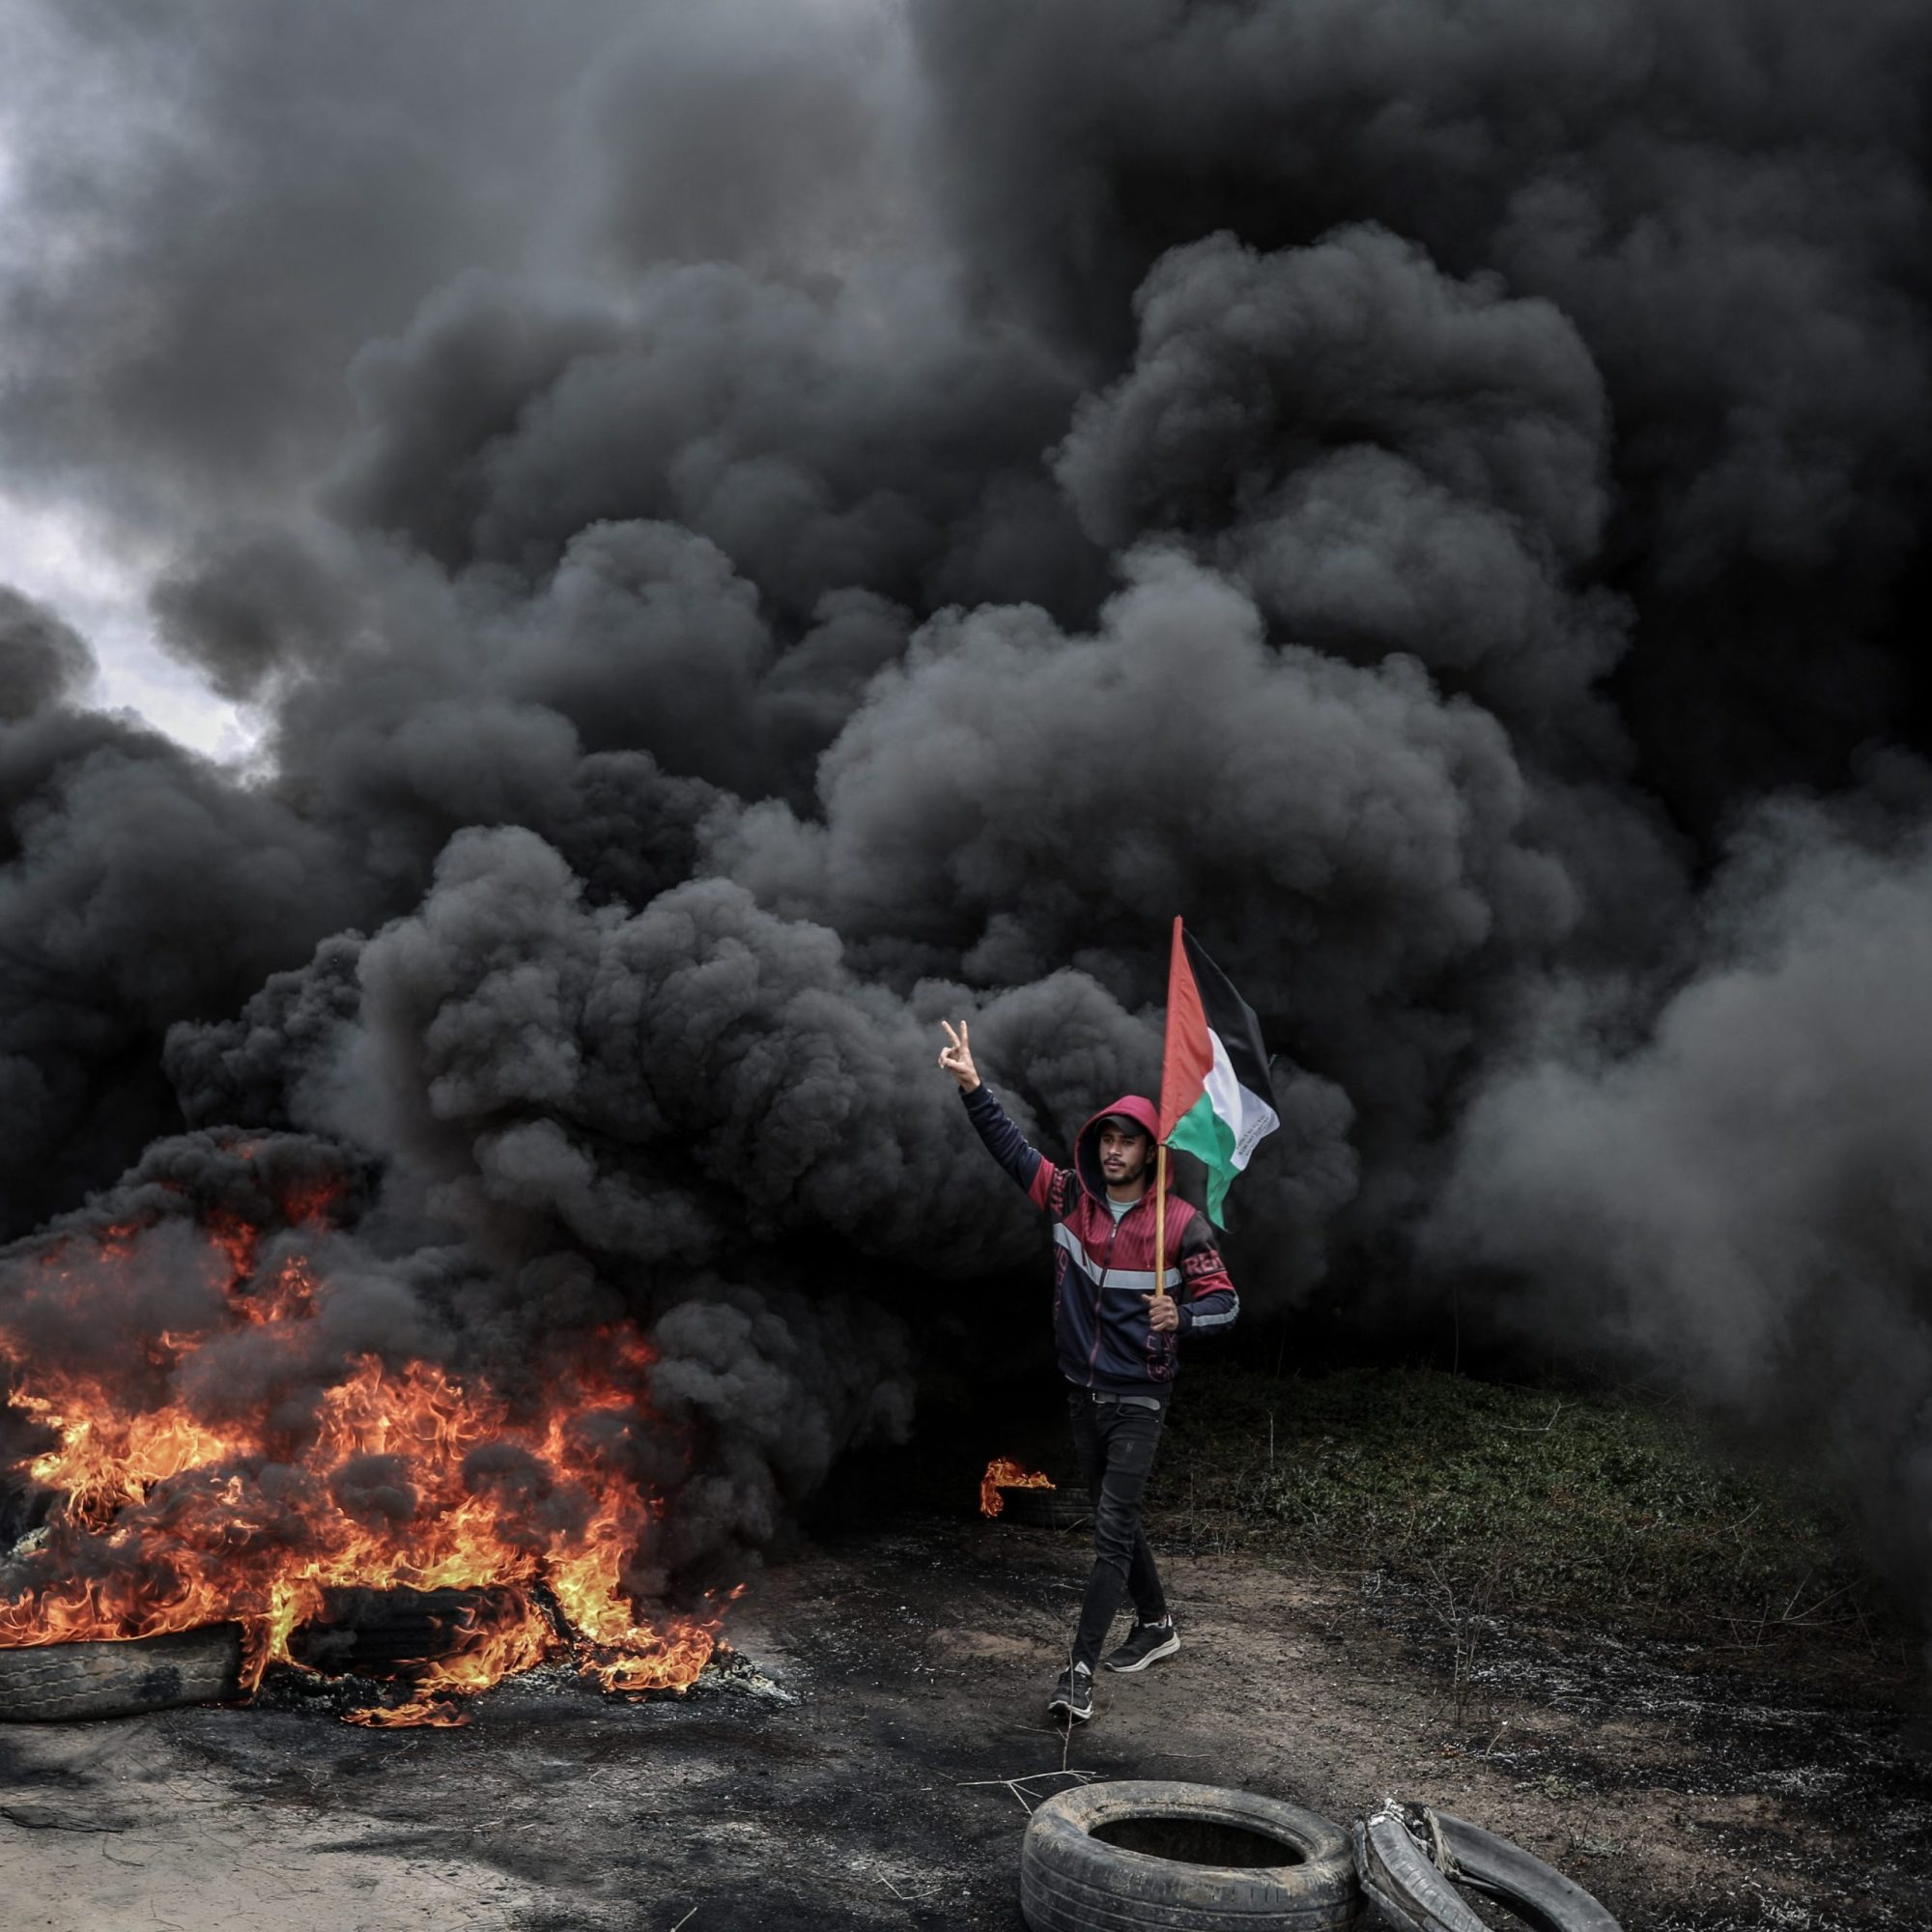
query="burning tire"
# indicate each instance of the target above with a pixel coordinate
(52, 1682)
(383, 1632)
(1408, 1857)
(1044, 1509)
(1144, 1855)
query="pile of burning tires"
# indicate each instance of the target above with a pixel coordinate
(1152, 1855)
(382, 1635)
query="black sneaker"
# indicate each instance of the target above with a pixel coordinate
(1073, 1696)
(1146, 1644)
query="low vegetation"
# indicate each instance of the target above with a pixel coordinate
(1522, 1499)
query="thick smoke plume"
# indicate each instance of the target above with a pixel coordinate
(751, 528)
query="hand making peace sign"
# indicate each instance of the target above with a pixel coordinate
(958, 1058)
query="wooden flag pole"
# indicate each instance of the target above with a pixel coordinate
(1161, 1132)
(1160, 1220)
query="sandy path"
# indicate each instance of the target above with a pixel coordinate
(109, 1826)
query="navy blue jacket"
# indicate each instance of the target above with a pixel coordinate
(1103, 1268)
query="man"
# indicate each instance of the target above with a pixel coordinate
(1119, 1332)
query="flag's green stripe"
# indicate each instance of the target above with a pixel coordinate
(1201, 1131)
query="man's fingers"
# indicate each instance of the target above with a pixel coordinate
(949, 1034)
(966, 1035)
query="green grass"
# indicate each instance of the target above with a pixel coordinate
(1518, 1499)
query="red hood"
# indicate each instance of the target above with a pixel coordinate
(1087, 1145)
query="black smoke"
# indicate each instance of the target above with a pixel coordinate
(753, 529)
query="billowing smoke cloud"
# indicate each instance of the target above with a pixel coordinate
(1393, 459)
(1727, 202)
(139, 886)
(211, 214)
(1733, 1204)
(789, 522)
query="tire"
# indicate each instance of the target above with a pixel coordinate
(54, 1682)
(1147, 1855)
(381, 1632)
(1399, 1875)
(1044, 1509)
(1407, 1855)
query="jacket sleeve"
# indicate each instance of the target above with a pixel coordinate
(1207, 1303)
(1009, 1146)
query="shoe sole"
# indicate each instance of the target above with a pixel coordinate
(1067, 1712)
(1153, 1656)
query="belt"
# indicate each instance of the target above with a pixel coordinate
(1152, 1401)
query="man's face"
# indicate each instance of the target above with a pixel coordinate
(1124, 1156)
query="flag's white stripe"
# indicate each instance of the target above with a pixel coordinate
(1248, 1115)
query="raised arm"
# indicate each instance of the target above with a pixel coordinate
(1004, 1141)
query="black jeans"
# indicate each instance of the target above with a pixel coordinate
(1116, 1444)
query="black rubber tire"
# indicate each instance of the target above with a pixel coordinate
(1397, 1860)
(379, 1632)
(1072, 1881)
(1411, 1894)
(1044, 1509)
(51, 1682)
(1533, 1890)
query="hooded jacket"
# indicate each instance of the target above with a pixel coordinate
(1103, 1268)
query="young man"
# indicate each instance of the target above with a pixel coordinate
(1119, 1334)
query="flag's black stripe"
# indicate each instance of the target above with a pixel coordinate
(1233, 1019)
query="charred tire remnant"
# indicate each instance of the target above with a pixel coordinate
(377, 1632)
(1044, 1509)
(1408, 1857)
(1147, 1855)
(54, 1682)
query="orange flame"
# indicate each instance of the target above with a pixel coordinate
(420, 1714)
(176, 1512)
(1004, 1473)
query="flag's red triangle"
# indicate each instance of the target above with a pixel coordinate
(1188, 1057)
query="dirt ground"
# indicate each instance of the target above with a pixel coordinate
(877, 1767)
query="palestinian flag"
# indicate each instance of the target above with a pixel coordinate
(1216, 1101)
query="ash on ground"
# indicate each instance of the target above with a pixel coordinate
(728, 1673)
